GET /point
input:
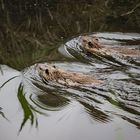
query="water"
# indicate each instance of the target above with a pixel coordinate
(31, 109)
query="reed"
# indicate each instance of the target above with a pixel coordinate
(30, 30)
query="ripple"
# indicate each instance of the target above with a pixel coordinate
(119, 88)
(119, 96)
(119, 40)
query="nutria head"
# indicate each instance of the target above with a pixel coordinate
(90, 42)
(49, 72)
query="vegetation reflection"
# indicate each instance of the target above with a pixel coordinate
(31, 31)
(27, 108)
(2, 114)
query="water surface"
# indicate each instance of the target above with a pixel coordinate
(32, 109)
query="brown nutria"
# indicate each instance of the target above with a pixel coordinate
(52, 73)
(91, 44)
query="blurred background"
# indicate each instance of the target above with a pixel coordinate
(32, 30)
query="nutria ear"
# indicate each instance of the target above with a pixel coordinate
(96, 39)
(84, 40)
(47, 71)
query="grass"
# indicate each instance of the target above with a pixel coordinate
(30, 31)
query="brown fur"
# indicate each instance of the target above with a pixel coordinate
(65, 77)
(92, 45)
(90, 42)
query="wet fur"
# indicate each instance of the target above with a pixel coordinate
(99, 49)
(67, 77)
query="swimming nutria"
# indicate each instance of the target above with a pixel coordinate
(51, 73)
(92, 45)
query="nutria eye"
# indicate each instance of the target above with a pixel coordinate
(97, 39)
(54, 66)
(47, 71)
(90, 44)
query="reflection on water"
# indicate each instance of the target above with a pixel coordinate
(1, 113)
(33, 31)
(74, 112)
(27, 108)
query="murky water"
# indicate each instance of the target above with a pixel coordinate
(32, 109)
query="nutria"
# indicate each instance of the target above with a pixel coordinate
(52, 73)
(92, 45)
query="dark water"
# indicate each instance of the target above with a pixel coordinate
(30, 109)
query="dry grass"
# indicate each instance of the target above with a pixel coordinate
(32, 32)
